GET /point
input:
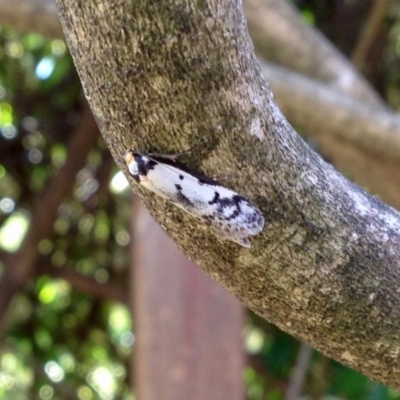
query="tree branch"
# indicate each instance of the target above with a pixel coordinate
(377, 14)
(299, 373)
(183, 75)
(310, 104)
(280, 36)
(108, 291)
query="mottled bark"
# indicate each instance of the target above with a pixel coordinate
(177, 75)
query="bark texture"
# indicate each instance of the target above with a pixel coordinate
(177, 75)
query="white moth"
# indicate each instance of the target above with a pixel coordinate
(232, 216)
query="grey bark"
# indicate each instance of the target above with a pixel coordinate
(176, 75)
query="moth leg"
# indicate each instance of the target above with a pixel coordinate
(224, 177)
(224, 235)
(242, 241)
(172, 157)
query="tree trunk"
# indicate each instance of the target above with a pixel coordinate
(188, 329)
(173, 75)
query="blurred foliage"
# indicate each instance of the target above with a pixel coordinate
(62, 343)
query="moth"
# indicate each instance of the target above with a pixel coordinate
(232, 216)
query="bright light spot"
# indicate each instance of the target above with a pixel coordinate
(103, 382)
(62, 225)
(13, 231)
(30, 123)
(7, 382)
(58, 155)
(6, 114)
(54, 371)
(58, 47)
(254, 340)
(122, 238)
(99, 353)
(85, 393)
(14, 373)
(35, 156)
(127, 339)
(53, 290)
(46, 392)
(67, 362)
(308, 17)
(119, 320)
(59, 258)
(45, 247)
(119, 370)
(34, 41)
(27, 61)
(84, 191)
(9, 361)
(14, 49)
(7, 205)
(101, 275)
(9, 131)
(119, 183)
(48, 293)
(102, 229)
(86, 223)
(45, 68)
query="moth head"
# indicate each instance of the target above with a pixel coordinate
(132, 162)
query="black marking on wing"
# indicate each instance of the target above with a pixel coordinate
(215, 198)
(181, 198)
(230, 202)
(144, 164)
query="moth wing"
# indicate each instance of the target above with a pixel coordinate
(193, 176)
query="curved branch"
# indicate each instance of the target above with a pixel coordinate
(376, 16)
(281, 36)
(326, 268)
(310, 104)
